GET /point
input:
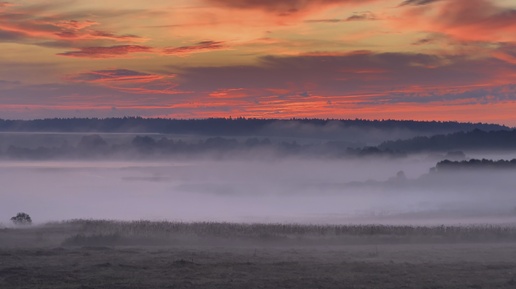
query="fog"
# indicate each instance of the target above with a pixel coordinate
(293, 190)
(352, 135)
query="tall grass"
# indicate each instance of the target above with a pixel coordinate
(118, 231)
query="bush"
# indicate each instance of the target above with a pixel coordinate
(21, 219)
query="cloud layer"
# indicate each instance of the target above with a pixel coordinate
(426, 59)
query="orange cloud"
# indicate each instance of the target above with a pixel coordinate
(465, 58)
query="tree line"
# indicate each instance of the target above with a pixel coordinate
(223, 126)
(144, 146)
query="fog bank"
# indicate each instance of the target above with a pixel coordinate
(293, 190)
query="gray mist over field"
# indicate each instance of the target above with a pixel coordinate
(294, 190)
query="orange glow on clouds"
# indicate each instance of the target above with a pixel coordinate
(465, 20)
(412, 59)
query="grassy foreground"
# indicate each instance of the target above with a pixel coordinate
(90, 254)
(163, 233)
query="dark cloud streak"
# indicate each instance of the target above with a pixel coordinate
(417, 2)
(358, 16)
(10, 36)
(107, 52)
(362, 16)
(414, 77)
(114, 75)
(203, 46)
(282, 7)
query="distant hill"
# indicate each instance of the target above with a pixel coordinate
(325, 128)
(93, 146)
(157, 137)
(472, 140)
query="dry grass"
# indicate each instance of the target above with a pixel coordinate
(90, 254)
(117, 232)
(162, 233)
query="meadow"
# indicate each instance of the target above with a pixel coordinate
(160, 254)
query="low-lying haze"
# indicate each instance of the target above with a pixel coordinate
(289, 190)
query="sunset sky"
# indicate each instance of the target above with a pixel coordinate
(372, 59)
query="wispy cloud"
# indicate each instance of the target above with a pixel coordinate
(37, 23)
(417, 2)
(361, 16)
(4, 4)
(259, 57)
(286, 10)
(204, 46)
(130, 81)
(10, 36)
(357, 16)
(334, 20)
(466, 20)
(107, 52)
(282, 6)
(418, 77)
(115, 75)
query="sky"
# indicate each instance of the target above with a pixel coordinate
(370, 59)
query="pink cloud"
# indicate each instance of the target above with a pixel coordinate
(32, 24)
(464, 20)
(4, 4)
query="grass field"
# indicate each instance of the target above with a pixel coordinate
(142, 254)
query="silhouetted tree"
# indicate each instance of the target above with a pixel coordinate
(446, 165)
(21, 219)
(224, 126)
